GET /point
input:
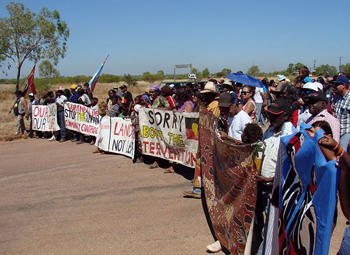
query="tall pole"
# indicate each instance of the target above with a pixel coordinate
(340, 64)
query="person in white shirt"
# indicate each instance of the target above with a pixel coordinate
(279, 113)
(60, 100)
(83, 98)
(258, 98)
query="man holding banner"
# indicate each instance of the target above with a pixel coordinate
(60, 100)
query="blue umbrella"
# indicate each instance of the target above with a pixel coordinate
(245, 79)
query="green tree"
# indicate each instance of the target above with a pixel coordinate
(27, 35)
(205, 73)
(47, 70)
(130, 80)
(326, 69)
(225, 71)
(345, 68)
(197, 73)
(290, 68)
(253, 70)
(161, 75)
(297, 66)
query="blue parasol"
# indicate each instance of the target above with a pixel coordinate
(245, 79)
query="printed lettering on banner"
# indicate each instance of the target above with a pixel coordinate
(44, 117)
(116, 135)
(81, 119)
(169, 135)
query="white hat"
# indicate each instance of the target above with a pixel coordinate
(315, 86)
(210, 88)
(31, 94)
(137, 108)
(281, 77)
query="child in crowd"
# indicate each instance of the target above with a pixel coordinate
(124, 112)
(114, 109)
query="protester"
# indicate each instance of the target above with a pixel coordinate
(304, 113)
(60, 100)
(259, 98)
(111, 93)
(124, 112)
(196, 99)
(126, 96)
(114, 109)
(167, 93)
(159, 101)
(279, 113)
(20, 109)
(209, 95)
(342, 109)
(252, 133)
(83, 98)
(145, 101)
(185, 103)
(87, 90)
(74, 94)
(32, 101)
(318, 110)
(336, 151)
(248, 103)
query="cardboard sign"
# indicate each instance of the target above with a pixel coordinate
(81, 119)
(44, 117)
(169, 135)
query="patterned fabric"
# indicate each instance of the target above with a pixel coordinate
(327, 117)
(160, 102)
(228, 174)
(303, 198)
(342, 113)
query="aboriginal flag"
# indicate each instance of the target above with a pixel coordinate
(192, 128)
(29, 83)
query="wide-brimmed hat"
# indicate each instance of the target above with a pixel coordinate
(210, 88)
(225, 100)
(315, 86)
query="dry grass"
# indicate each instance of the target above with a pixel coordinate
(7, 98)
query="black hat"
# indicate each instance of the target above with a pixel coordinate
(280, 105)
(317, 96)
(123, 87)
(225, 100)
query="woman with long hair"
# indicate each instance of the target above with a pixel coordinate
(247, 94)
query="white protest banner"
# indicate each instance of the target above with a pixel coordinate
(44, 117)
(116, 135)
(81, 118)
(169, 135)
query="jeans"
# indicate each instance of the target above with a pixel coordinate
(62, 124)
(20, 128)
(344, 141)
(259, 116)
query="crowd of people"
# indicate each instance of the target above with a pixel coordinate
(243, 113)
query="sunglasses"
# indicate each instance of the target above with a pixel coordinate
(305, 92)
(244, 92)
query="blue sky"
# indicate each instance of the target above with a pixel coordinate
(156, 35)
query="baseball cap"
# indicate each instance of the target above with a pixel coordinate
(342, 80)
(317, 96)
(280, 105)
(225, 100)
(73, 86)
(31, 94)
(315, 86)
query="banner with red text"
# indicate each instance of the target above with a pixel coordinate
(44, 117)
(169, 135)
(81, 118)
(116, 135)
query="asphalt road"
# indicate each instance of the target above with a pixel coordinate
(59, 198)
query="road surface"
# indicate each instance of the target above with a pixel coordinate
(59, 198)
